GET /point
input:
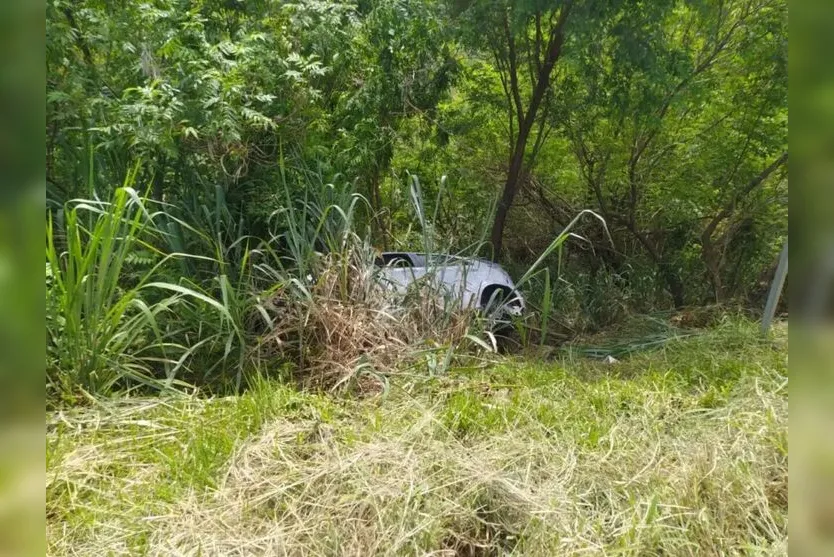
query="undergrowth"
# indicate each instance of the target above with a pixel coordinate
(145, 295)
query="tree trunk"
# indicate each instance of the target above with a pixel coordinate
(673, 281)
(509, 192)
(158, 178)
(709, 254)
(711, 261)
(514, 173)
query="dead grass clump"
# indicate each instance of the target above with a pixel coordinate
(348, 330)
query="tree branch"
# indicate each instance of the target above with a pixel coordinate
(513, 69)
(753, 184)
(510, 112)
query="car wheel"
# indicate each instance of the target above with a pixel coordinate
(497, 304)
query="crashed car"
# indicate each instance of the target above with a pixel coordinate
(468, 282)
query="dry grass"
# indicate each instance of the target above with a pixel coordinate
(351, 332)
(681, 451)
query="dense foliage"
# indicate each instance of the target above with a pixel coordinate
(251, 126)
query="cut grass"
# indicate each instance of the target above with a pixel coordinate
(677, 450)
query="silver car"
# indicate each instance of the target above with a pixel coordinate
(470, 282)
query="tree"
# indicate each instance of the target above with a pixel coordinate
(674, 110)
(401, 67)
(525, 40)
(215, 92)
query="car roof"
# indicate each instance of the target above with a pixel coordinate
(443, 254)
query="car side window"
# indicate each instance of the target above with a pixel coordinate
(397, 260)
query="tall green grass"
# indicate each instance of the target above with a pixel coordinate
(115, 319)
(143, 293)
(100, 328)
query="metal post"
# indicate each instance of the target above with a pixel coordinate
(775, 289)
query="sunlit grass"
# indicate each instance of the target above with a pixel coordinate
(680, 449)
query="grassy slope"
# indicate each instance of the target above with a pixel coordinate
(681, 450)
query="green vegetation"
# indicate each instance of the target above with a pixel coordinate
(667, 118)
(681, 449)
(226, 374)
